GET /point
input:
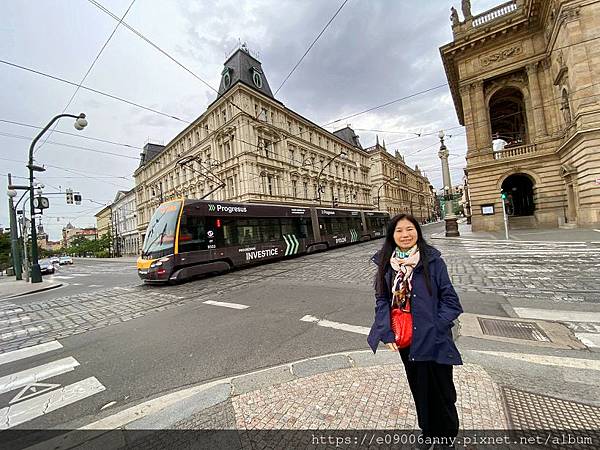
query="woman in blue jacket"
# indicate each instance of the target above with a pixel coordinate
(415, 272)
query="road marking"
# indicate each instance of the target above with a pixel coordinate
(30, 409)
(61, 277)
(7, 312)
(75, 284)
(95, 285)
(25, 377)
(13, 321)
(226, 305)
(597, 231)
(589, 339)
(574, 363)
(32, 390)
(558, 315)
(336, 325)
(29, 352)
(25, 331)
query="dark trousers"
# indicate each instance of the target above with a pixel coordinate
(434, 394)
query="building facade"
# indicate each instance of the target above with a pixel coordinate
(70, 232)
(523, 78)
(103, 218)
(248, 147)
(124, 225)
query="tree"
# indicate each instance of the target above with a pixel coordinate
(5, 256)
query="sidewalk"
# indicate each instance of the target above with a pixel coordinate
(534, 235)
(9, 287)
(351, 395)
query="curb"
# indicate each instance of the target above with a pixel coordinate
(165, 411)
(47, 288)
(510, 241)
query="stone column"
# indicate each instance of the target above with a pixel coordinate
(536, 100)
(481, 114)
(469, 118)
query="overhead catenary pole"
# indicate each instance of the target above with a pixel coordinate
(14, 237)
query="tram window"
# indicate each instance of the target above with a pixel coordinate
(225, 232)
(192, 234)
(270, 229)
(296, 225)
(248, 231)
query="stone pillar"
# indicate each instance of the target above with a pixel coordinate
(469, 118)
(481, 114)
(536, 100)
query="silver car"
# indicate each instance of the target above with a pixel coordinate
(46, 266)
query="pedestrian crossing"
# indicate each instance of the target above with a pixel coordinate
(33, 396)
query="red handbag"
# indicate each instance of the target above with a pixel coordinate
(401, 321)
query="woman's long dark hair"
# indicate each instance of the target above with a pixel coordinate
(390, 245)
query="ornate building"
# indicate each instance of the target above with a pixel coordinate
(248, 147)
(523, 78)
(125, 234)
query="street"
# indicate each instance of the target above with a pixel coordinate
(116, 342)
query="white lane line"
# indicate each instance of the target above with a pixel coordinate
(546, 360)
(61, 277)
(75, 284)
(95, 285)
(597, 230)
(589, 339)
(226, 305)
(14, 320)
(558, 316)
(22, 332)
(23, 378)
(336, 325)
(30, 409)
(28, 352)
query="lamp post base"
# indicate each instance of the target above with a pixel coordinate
(36, 273)
(451, 227)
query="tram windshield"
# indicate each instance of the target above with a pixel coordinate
(160, 235)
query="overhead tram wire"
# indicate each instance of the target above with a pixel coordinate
(114, 97)
(85, 76)
(311, 45)
(85, 149)
(72, 134)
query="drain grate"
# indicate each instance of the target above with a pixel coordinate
(513, 329)
(576, 425)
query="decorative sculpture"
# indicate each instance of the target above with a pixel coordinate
(454, 16)
(466, 9)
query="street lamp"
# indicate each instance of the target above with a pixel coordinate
(320, 188)
(14, 238)
(379, 190)
(450, 218)
(80, 124)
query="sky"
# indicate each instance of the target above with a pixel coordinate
(373, 52)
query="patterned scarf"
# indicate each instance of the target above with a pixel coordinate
(403, 263)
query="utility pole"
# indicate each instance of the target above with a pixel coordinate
(14, 237)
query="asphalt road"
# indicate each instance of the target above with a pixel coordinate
(140, 341)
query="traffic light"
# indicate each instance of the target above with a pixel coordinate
(77, 198)
(503, 195)
(69, 196)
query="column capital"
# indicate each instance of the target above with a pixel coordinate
(532, 68)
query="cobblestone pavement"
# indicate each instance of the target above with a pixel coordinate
(365, 398)
(552, 272)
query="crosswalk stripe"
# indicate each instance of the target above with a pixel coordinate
(35, 407)
(589, 339)
(547, 360)
(226, 305)
(28, 352)
(14, 320)
(39, 373)
(336, 325)
(559, 316)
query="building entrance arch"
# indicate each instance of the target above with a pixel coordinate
(519, 195)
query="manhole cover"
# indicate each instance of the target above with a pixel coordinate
(512, 329)
(562, 423)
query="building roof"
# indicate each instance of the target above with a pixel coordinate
(347, 134)
(150, 152)
(243, 67)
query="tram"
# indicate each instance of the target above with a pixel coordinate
(186, 238)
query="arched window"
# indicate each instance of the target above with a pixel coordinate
(507, 116)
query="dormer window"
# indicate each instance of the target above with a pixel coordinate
(256, 77)
(226, 74)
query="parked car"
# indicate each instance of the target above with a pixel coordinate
(55, 260)
(46, 266)
(65, 260)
